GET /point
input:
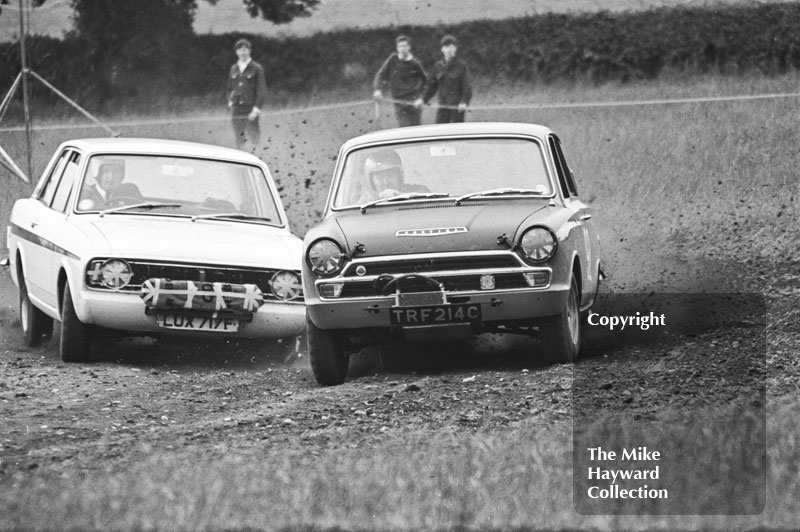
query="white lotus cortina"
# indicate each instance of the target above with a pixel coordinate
(154, 237)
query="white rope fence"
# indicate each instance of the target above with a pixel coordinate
(359, 103)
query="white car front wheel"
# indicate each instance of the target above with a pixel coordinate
(75, 335)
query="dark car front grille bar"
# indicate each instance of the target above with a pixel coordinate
(458, 272)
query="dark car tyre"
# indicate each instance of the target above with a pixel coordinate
(36, 325)
(560, 335)
(325, 350)
(75, 335)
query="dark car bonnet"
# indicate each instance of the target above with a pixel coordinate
(435, 227)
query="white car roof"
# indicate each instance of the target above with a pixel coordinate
(160, 147)
(438, 130)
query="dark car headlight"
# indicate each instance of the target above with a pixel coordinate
(325, 257)
(114, 274)
(538, 244)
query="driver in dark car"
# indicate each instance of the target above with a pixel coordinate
(109, 189)
(384, 170)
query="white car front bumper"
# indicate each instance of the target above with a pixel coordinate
(126, 312)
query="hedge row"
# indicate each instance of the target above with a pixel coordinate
(598, 46)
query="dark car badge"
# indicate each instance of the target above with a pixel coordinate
(432, 231)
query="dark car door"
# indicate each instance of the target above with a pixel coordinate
(585, 234)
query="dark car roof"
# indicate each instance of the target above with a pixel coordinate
(439, 130)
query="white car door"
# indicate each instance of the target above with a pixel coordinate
(55, 227)
(31, 216)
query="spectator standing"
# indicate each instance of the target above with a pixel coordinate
(450, 78)
(246, 89)
(405, 78)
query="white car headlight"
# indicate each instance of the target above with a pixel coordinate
(286, 285)
(115, 274)
(325, 257)
(538, 244)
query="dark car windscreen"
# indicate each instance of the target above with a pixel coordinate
(455, 167)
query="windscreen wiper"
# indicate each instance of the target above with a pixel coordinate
(403, 197)
(145, 205)
(237, 215)
(499, 192)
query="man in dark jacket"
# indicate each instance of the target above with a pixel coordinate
(450, 78)
(405, 78)
(246, 89)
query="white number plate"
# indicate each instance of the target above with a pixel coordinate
(197, 323)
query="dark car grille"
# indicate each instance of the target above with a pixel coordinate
(458, 283)
(437, 264)
(143, 270)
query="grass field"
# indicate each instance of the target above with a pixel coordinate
(719, 177)
(682, 166)
(518, 478)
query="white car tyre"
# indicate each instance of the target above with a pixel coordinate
(75, 335)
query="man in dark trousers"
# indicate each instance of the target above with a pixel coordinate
(450, 78)
(405, 78)
(246, 89)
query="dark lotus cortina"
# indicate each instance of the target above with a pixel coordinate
(440, 232)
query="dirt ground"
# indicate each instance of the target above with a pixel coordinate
(68, 419)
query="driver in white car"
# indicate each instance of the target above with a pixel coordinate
(109, 189)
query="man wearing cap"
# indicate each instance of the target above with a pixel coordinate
(405, 78)
(450, 78)
(246, 89)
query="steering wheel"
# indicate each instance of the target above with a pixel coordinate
(119, 201)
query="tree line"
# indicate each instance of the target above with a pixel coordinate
(164, 59)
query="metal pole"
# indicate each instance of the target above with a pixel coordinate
(8, 162)
(25, 104)
(73, 104)
(9, 95)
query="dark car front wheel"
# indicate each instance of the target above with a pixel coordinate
(560, 335)
(36, 325)
(329, 360)
(75, 335)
